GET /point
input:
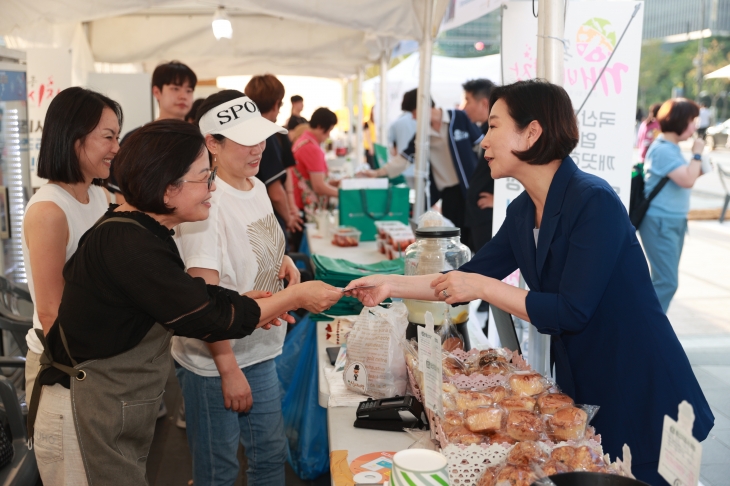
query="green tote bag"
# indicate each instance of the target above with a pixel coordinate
(361, 208)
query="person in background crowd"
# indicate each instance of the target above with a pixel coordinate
(402, 131)
(268, 94)
(190, 117)
(173, 84)
(480, 196)
(648, 131)
(570, 236)
(663, 228)
(296, 118)
(703, 123)
(80, 139)
(370, 137)
(453, 161)
(126, 292)
(231, 388)
(310, 172)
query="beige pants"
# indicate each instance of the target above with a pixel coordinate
(55, 443)
(32, 367)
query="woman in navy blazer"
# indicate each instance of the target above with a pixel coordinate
(590, 290)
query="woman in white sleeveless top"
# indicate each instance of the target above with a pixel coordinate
(80, 139)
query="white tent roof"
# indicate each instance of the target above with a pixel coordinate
(720, 73)
(447, 76)
(313, 37)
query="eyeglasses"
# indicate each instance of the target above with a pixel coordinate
(209, 180)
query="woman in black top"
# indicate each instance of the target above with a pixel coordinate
(107, 357)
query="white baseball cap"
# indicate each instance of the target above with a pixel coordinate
(240, 120)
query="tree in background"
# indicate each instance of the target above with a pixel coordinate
(668, 66)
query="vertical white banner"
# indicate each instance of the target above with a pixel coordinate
(49, 72)
(606, 122)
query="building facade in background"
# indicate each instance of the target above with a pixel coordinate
(665, 18)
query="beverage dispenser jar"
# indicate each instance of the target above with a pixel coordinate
(437, 249)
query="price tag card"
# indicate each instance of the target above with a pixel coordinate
(429, 359)
(680, 456)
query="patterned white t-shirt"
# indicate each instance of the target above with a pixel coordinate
(242, 240)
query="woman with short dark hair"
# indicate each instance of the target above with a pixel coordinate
(665, 224)
(571, 238)
(107, 356)
(80, 139)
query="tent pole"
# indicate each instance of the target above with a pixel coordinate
(351, 115)
(382, 120)
(550, 66)
(423, 107)
(359, 147)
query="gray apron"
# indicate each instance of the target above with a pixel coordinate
(115, 402)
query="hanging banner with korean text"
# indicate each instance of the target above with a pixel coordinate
(606, 122)
(49, 72)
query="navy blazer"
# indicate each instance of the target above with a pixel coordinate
(590, 289)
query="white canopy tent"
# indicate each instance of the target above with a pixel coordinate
(723, 72)
(314, 38)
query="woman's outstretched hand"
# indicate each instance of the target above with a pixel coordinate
(317, 296)
(376, 292)
(455, 287)
(261, 294)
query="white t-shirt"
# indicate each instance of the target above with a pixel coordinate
(704, 118)
(80, 217)
(242, 240)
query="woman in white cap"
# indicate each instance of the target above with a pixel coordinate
(230, 388)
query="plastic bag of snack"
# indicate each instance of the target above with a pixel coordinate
(511, 403)
(452, 366)
(489, 475)
(570, 422)
(484, 419)
(511, 475)
(549, 403)
(451, 339)
(375, 361)
(467, 400)
(528, 383)
(526, 452)
(524, 425)
(462, 435)
(410, 353)
(582, 457)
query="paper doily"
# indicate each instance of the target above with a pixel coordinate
(467, 463)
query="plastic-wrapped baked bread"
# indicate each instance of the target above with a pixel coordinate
(462, 435)
(500, 437)
(588, 459)
(523, 425)
(515, 476)
(527, 384)
(467, 400)
(484, 419)
(489, 476)
(568, 423)
(523, 453)
(563, 454)
(518, 403)
(496, 392)
(552, 467)
(453, 418)
(550, 403)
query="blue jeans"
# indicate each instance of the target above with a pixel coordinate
(663, 239)
(214, 432)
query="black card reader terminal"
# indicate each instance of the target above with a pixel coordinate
(394, 413)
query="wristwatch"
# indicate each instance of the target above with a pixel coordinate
(697, 157)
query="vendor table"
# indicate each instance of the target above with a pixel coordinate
(342, 434)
